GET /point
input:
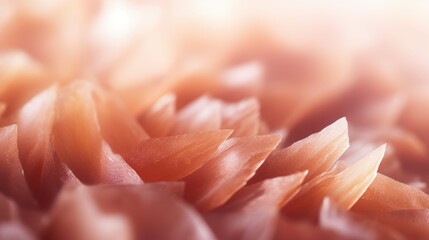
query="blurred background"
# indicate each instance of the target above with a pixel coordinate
(307, 62)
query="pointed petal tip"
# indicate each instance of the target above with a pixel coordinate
(273, 139)
(227, 132)
(341, 123)
(302, 175)
(378, 153)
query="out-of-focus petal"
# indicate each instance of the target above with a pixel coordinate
(76, 215)
(2, 108)
(414, 224)
(413, 118)
(204, 114)
(158, 215)
(353, 226)
(287, 229)
(15, 230)
(54, 27)
(242, 117)
(8, 209)
(369, 116)
(20, 79)
(257, 223)
(241, 81)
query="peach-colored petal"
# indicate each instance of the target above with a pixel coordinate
(45, 173)
(255, 67)
(160, 117)
(233, 165)
(55, 173)
(243, 117)
(12, 180)
(204, 114)
(77, 139)
(140, 97)
(386, 194)
(344, 188)
(172, 158)
(120, 130)
(274, 192)
(316, 153)
(75, 134)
